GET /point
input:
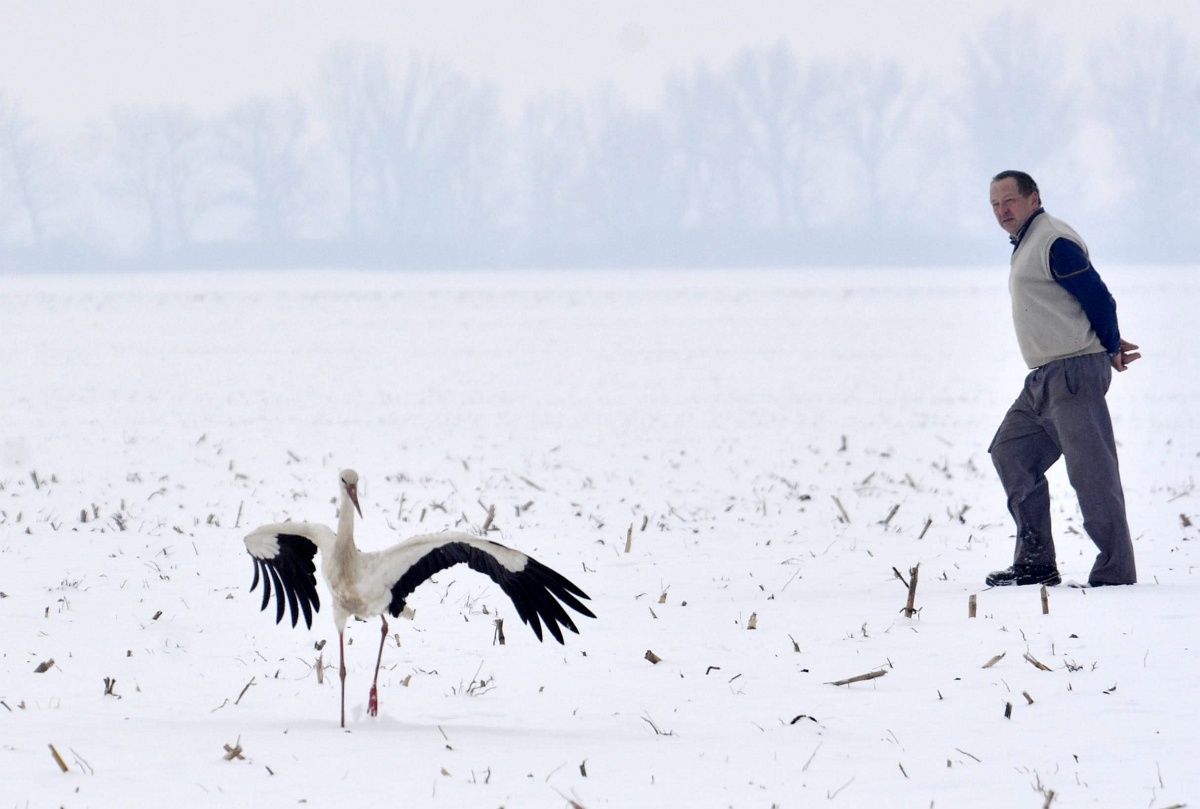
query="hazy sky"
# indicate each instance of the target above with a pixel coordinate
(65, 62)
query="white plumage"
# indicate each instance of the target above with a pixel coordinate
(378, 583)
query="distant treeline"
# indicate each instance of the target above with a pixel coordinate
(773, 160)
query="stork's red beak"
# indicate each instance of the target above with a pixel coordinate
(352, 491)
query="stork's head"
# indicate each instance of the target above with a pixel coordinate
(349, 481)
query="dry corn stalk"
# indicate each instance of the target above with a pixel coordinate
(842, 509)
(870, 675)
(909, 610)
(1036, 663)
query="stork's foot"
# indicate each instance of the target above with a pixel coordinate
(373, 703)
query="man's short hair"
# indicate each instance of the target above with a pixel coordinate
(1025, 184)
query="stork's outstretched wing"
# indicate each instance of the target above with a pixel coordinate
(537, 592)
(283, 557)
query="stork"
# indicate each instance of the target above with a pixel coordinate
(377, 583)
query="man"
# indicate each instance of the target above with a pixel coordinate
(1066, 324)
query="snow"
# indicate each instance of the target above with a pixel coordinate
(719, 422)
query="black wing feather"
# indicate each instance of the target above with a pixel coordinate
(292, 574)
(537, 592)
(258, 565)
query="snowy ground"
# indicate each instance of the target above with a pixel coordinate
(772, 444)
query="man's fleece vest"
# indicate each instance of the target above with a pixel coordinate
(1050, 323)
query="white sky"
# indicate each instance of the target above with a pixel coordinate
(66, 62)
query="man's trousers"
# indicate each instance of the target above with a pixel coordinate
(1062, 412)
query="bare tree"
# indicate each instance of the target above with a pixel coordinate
(777, 101)
(26, 185)
(702, 124)
(1147, 91)
(353, 88)
(452, 142)
(1018, 109)
(601, 185)
(264, 142)
(875, 115)
(555, 154)
(421, 150)
(633, 199)
(160, 164)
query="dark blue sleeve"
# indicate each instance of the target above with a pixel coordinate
(1071, 268)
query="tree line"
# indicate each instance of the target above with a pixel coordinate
(771, 160)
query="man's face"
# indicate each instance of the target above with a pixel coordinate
(1011, 209)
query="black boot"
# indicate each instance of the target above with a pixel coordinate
(1024, 574)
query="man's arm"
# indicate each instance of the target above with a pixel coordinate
(1071, 268)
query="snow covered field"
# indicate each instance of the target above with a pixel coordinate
(771, 445)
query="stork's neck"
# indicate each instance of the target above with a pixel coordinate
(345, 533)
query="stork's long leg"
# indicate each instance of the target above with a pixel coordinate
(342, 670)
(373, 701)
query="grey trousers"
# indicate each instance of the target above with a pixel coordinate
(1061, 412)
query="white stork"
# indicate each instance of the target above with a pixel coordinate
(366, 584)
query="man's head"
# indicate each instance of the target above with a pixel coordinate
(1015, 198)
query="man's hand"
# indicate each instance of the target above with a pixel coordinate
(1127, 354)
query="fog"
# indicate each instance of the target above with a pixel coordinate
(151, 136)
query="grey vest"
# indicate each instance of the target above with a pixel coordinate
(1050, 322)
